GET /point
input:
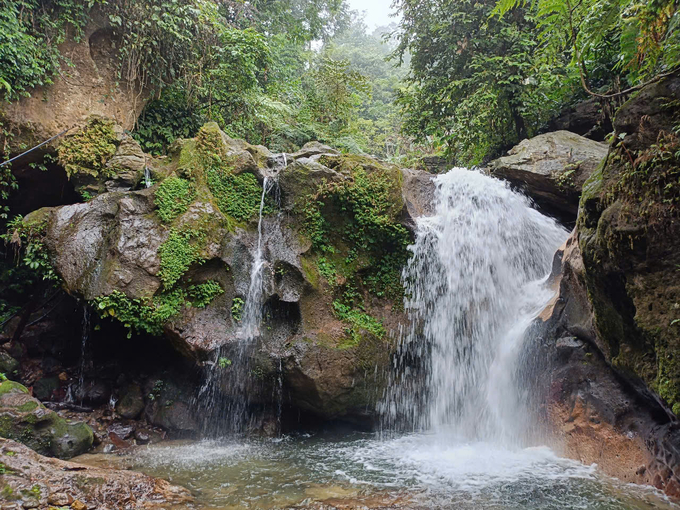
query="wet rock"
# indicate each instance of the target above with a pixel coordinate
(142, 437)
(311, 149)
(8, 365)
(586, 402)
(301, 178)
(43, 388)
(127, 164)
(25, 419)
(551, 169)
(94, 392)
(587, 118)
(131, 404)
(419, 192)
(122, 430)
(81, 486)
(169, 406)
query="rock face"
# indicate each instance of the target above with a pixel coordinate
(594, 414)
(629, 235)
(33, 481)
(551, 168)
(87, 87)
(25, 419)
(176, 260)
(607, 363)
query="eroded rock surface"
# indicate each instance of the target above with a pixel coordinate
(33, 481)
(551, 168)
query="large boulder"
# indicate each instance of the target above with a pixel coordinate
(593, 414)
(24, 419)
(33, 481)
(88, 86)
(629, 235)
(606, 366)
(551, 168)
(176, 260)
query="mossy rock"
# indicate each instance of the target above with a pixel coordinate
(24, 419)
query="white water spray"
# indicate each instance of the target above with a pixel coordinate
(147, 177)
(475, 283)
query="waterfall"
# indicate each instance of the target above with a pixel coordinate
(147, 177)
(475, 282)
(252, 313)
(85, 336)
(230, 368)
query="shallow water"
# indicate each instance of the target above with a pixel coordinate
(415, 471)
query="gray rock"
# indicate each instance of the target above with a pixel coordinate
(26, 420)
(313, 149)
(131, 404)
(418, 191)
(8, 365)
(551, 169)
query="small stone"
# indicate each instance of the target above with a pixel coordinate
(122, 430)
(78, 505)
(30, 503)
(142, 437)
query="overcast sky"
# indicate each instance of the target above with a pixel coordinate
(377, 11)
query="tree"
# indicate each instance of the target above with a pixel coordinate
(470, 75)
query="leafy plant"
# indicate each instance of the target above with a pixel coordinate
(223, 362)
(177, 254)
(173, 197)
(237, 309)
(88, 150)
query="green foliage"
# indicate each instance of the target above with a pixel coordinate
(358, 322)
(178, 253)
(30, 33)
(173, 115)
(223, 362)
(475, 87)
(27, 236)
(374, 237)
(88, 150)
(642, 37)
(137, 315)
(238, 196)
(237, 309)
(203, 294)
(173, 197)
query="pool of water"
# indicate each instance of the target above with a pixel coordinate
(360, 471)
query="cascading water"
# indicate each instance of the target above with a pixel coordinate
(147, 177)
(475, 282)
(230, 367)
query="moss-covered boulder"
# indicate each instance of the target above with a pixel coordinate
(629, 235)
(24, 419)
(176, 260)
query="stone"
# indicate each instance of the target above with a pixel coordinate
(131, 403)
(586, 118)
(312, 149)
(122, 430)
(128, 163)
(142, 437)
(25, 419)
(88, 86)
(551, 168)
(44, 387)
(8, 365)
(78, 505)
(418, 191)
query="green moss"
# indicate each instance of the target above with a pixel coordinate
(238, 196)
(310, 271)
(87, 151)
(28, 407)
(12, 387)
(173, 197)
(180, 250)
(355, 224)
(359, 324)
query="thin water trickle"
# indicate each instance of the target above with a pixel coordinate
(83, 351)
(147, 177)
